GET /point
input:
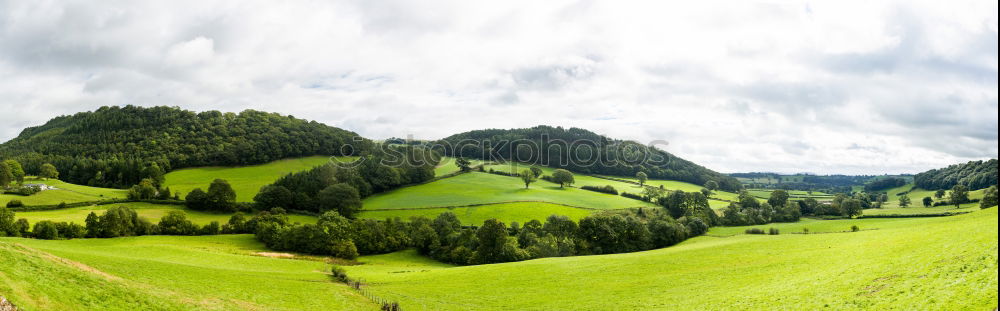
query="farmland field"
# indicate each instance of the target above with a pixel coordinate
(586, 180)
(167, 273)
(917, 194)
(448, 166)
(902, 263)
(478, 188)
(64, 192)
(152, 212)
(520, 212)
(246, 180)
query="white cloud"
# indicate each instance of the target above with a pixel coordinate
(827, 87)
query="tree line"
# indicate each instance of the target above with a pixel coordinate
(118, 146)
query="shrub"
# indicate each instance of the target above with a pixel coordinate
(633, 196)
(606, 189)
(339, 274)
(15, 203)
(772, 231)
(754, 231)
(855, 228)
(805, 230)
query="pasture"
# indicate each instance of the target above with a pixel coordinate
(152, 212)
(64, 192)
(246, 180)
(224, 272)
(475, 215)
(924, 263)
(479, 188)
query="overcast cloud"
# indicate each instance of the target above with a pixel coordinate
(787, 86)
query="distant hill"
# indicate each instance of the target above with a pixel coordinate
(581, 151)
(974, 175)
(115, 146)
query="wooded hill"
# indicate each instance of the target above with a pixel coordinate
(974, 175)
(116, 146)
(594, 154)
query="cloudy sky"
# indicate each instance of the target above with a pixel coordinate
(785, 86)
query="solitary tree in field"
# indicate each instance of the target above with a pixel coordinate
(528, 177)
(928, 201)
(463, 164)
(536, 171)
(959, 195)
(48, 171)
(904, 200)
(562, 177)
(641, 176)
(939, 194)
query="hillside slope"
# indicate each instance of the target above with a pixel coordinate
(590, 153)
(973, 175)
(944, 263)
(113, 146)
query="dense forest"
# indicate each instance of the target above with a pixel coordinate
(973, 175)
(118, 146)
(581, 151)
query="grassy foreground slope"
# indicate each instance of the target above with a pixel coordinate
(36, 280)
(205, 272)
(521, 212)
(150, 211)
(246, 180)
(479, 188)
(64, 192)
(925, 263)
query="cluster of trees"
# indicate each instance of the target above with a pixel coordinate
(10, 171)
(884, 183)
(989, 198)
(579, 150)
(118, 221)
(115, 146)
(340, 187)
(972, 175)
(749, 211)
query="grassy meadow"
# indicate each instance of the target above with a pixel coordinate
(64, 192)
(479, 188)
(586, 180)
(246, 180)
(475, 215)
(224, 272)
(448, 166)
(150, 211)
(923, 263)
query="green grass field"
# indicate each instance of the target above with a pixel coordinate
(246, 180)
(448, 166)
(478, 188)
(917, 195)
(585, 180)
(520, 212)
(65, 192)
(923, 263)
(166, 273)
(152, 212)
